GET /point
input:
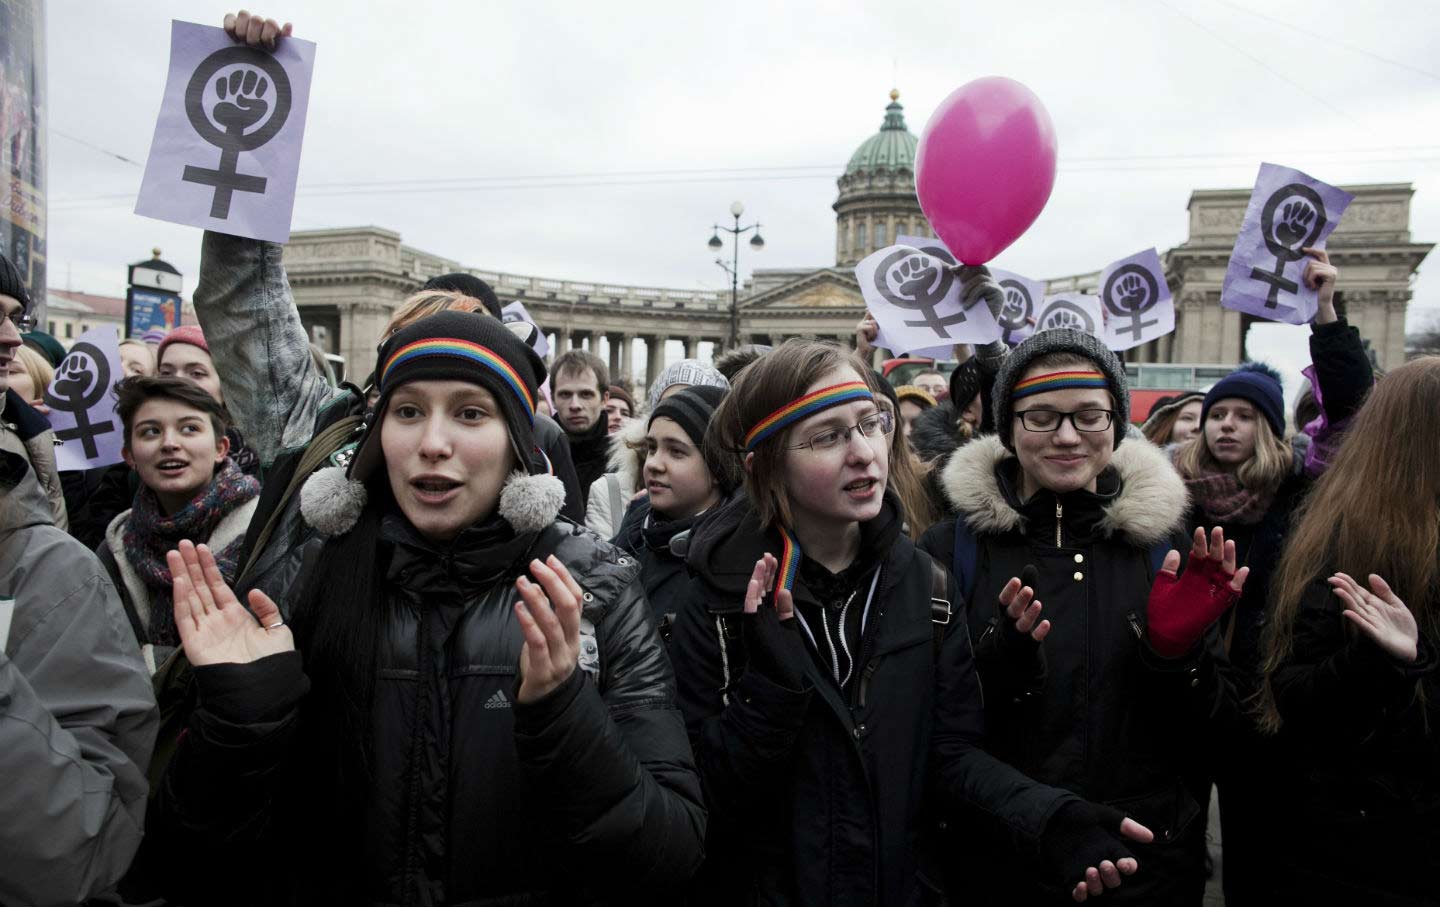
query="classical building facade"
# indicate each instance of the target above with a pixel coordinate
(348, 281)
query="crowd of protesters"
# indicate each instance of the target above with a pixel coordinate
(487, 630)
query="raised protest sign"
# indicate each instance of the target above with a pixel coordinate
(1289, 211)
(82, 402)
(516, 312)
(914, 296)
(226, 151)
(1076, 311)
(1137, 301)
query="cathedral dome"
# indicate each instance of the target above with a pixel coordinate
(892, 148)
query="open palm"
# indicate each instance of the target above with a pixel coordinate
(214, 627)
(1380, 614)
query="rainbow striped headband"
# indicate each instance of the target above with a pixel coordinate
(1059, 381)
(789, 562)
(463, 349)
(808, 405)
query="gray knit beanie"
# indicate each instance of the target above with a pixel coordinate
(1059, 340)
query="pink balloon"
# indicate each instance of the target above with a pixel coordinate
(985, 167)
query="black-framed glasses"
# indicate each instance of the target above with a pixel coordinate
(23, 321)
(1080, 419)
(876, 425)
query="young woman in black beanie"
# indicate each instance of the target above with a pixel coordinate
(474, 692)
(1118, 697)
(682, 482)
(1244, 477)
(826, 676)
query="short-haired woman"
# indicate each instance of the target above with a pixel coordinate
(174, 439)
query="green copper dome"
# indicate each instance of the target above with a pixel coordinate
(892, 148)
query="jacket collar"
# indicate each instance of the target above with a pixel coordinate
(1149, 504)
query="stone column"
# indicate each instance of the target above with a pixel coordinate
(562, 340)
(627, 367)
(614, 357)
(690, 345)
(654, 357)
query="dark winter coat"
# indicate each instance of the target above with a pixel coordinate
(1109, 719)
(823, 797)
(1361, 737)
(590, 453)
(474, 798)
(662, 559)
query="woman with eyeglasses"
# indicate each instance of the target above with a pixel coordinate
(825, 671)
(23, 430)
(1120, 693)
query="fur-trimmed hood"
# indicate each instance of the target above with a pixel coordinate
(628, 463)
(935, 434)
(1150, 506)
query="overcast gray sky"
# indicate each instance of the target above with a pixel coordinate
(1150, 100)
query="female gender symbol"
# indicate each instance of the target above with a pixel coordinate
(1301, 221)
(1131, 292)
(242, 102)
(1015, 313)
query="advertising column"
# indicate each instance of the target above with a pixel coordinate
(152, 301)
(22, 142)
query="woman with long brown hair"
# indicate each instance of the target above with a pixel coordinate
(1350, 670)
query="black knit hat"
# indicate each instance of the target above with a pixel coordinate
(693, 409)
(12, 284)
(1059, 340)
(1260, 385)
(471, 286)
(459, 346)
(965, 382)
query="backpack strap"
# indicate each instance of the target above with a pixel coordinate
(321, 447)
(965, 557)
(940, 607)
(1157, 556)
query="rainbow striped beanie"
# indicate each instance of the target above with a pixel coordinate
(1012, 383)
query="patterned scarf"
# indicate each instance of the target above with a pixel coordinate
(149, 534)
(1222, 500)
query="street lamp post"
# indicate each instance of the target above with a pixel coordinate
(733, 268)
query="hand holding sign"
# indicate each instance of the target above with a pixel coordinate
(247, 99)
(1289, 215)
(915, 296)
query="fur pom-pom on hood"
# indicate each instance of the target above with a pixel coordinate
(332, 504)
(627, 462)
(1151, 505)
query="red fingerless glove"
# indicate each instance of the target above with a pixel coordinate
(1180, 608)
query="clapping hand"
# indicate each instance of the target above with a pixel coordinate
(1181, 607)
(1021, 606)
(549, 615)
(1380, 615)
(214, 628)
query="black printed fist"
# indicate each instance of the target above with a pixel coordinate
(1064, 319)
(73, 378)
(242, 101)
(1131, 293)
(914, 275)
(1014, 308)
(1294, 223)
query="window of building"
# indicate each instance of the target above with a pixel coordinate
(69, 329)
(51, 332)
(861, 240)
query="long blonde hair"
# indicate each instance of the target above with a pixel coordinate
(1267, 467)
(1375, 510)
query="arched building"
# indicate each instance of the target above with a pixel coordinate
(348, 281)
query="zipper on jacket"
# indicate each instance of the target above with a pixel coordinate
(1135, 625)
(989, 631)
(1059, 523)
(865, 680)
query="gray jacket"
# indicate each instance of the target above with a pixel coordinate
(273, 389)
(77, 716)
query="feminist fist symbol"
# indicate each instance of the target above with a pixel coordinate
(1131, 293)
(73, 378)
(1064, 319)
(246, 89)
(80, 383)
(915, 276)
(1294, 222)
(1014, 308)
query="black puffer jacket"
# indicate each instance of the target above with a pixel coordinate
(587, 795)
(662, 559)
(1362, 761)
(820, 796)
(1111, 720)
